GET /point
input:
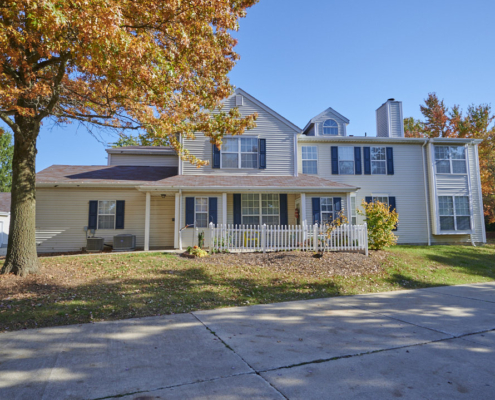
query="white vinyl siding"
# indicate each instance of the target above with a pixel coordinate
(279, 145)
(144, 160)
(407, 185)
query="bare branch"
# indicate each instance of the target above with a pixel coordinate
(12, 125)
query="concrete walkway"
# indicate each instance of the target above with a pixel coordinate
(436, 343)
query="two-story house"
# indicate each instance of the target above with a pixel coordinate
(274, 174)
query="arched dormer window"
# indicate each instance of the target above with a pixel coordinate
(330, 127)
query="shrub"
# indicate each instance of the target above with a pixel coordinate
(381, 222)
(197, 251)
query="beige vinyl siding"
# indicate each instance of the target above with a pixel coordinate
(406, 185)
(144, 160)
(279, 145)
(62, 214)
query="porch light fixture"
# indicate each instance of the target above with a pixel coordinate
(163, 196)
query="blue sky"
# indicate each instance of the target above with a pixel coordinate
(351, 55)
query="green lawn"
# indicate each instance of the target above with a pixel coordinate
(78, 289)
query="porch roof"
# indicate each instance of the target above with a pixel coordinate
(166, 178)
(261, 182)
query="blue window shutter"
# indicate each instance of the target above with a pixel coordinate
(316, 210)
(335, 160)
(262, 152)
(390, 161)
(284, 215)
(212, 210)
(392, 206)
(368, 199)
(216, 157)
(337, 206)
(237, 209)
(93, 214)
(357, 161)
(367, 160)
(119, 214)
(190, 212)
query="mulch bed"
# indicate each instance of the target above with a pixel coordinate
(304, 263)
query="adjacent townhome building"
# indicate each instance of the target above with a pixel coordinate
(275, 175)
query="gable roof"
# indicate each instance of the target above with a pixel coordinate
(314, 119)
(267, 109)
(5, 199)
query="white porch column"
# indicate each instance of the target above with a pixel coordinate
(348, 207)
(303, 208)
(147, 222)
(177, 221)
(224, 208)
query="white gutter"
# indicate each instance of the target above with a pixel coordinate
(257, 189)
(376, 139)
(428, 230)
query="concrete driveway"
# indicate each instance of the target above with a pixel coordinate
(436, 343)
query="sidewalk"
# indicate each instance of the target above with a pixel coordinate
(429, 343)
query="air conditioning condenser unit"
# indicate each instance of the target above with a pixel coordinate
(94, 244)
(124, 242)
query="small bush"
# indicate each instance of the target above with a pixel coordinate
(197, 251)
(381, 222)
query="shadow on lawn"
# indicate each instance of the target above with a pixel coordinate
(168, 291)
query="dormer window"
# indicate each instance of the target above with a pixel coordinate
(330, 127)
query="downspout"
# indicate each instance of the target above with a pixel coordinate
(180, 219)
(426, 193)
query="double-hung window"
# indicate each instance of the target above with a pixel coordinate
(381, 199)
(454, 213)
(346, 160)
(201, 212)
(326, 210)
(106, 214)
(260, 209)
(450, 159)
(240, 152)
(378, 161)
(309, 159)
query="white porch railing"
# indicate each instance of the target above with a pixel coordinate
(285, 238)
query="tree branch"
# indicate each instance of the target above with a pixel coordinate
(12, 125)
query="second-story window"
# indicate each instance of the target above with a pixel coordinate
(346, 160)
(309, 159)
(330, 127)
(450, 159)
(378, 161)
(240, 152)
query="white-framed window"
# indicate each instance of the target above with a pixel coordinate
(326, 210)
(353, 210)
(106, 214)
(309, 159)
(330, 127)
(201, 212)
(260, 208)
(378, 161)
(450, 159)
(381, 199)
(454, 212)
(346, 160)
(239, 153)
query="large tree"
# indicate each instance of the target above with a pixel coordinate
(6, 154)
(148, 65)
(476, 123)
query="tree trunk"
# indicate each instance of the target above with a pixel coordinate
(22, 258)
